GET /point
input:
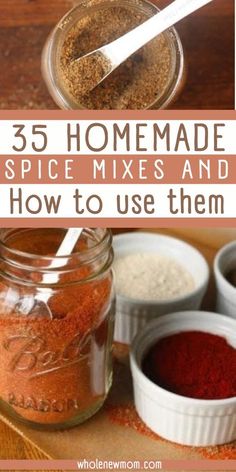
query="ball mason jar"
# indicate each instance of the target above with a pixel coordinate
(86, 8)
(55, 338)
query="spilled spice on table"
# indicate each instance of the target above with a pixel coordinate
(125, 415)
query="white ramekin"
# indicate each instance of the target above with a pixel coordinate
(174, 417)
(225, 260)
(131, 314)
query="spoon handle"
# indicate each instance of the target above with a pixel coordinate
(65, 249)
(69, 241)
(127, 44)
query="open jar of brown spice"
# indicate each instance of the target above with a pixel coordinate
(150, 78)
(56, 370)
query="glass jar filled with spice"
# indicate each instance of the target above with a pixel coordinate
(150, 78)
(55, 338)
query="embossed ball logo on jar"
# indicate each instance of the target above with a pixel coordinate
(31, 353)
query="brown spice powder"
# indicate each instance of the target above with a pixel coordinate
(87, 72)
(136, 83)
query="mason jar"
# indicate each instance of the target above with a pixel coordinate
(86, 10)
(55, 338)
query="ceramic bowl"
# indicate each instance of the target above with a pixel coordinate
(133, 314)
(174, 417)
(225, 261)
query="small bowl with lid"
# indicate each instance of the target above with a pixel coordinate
(151, 78)
(145, 293)
(178, 418)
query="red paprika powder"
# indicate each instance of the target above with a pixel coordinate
(55, 372)
(194, 364)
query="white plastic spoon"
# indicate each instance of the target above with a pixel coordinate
(26, 304)
(110, 56)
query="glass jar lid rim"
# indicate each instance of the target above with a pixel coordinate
(103, 243)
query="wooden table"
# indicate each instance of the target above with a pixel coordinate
(208, 40)
(12, 446)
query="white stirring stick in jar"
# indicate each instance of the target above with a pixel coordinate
(104, 60)
(26, 304)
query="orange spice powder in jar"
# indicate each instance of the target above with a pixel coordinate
(56, 370)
